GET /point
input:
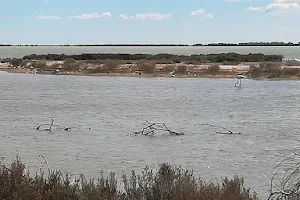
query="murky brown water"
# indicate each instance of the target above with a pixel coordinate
(266, 112)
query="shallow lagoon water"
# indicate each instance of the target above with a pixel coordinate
(102, 111)
(289, 52)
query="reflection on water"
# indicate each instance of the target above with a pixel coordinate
(103, 110)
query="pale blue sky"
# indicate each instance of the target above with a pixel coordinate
(148, 21)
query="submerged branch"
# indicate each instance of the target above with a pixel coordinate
(229, 132)
(53, 125)
(151, 128)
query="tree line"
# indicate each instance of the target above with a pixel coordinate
(222, 57)
(198, 44)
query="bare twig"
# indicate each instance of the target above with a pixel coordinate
(151, 128)
(289, 183)
(3, 166)
(50, 125)
(53, 125)
(216, 126)
(49, 171)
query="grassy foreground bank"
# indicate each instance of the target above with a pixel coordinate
(168, 183)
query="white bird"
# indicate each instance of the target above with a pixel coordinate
(239, 80)
(172, 74)
(240, 76)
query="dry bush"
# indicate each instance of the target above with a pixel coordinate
(191, 62)
(254, 72)
(39, 64)
(273, 70)
(231, 63)
(108, 66)
(97, 70)
(55, 65)
(24, 63)
(111, 65)
(290, 71)
(168, 183)
(164, 61)
(168, 68)
(292, 63)
(71, 65)
(5, 60)
(181, 70)
(213, 69)
(15, 62)
(129, 62)
(146, 66)
(95, 62)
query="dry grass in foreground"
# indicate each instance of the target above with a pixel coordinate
(168, 183)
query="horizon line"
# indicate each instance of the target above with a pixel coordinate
(170, 44)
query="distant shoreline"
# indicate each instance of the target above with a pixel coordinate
(258, 66)
(152, 75)
(272, 44)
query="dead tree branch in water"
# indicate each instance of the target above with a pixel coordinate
(51, 125)
(229, 132)
(151, 128)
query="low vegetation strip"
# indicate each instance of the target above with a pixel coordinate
(160, 65)
(167, 183)
(223, 57)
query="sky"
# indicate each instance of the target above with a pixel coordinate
(148, 21)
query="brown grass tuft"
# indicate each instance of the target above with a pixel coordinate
(213, 69)
(146, 66)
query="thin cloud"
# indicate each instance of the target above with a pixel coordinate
(233, 1)
(278, 6)
(202, 13)
(147, 16)
(104, 15)
(197, 12)
(208, 16)
(283, 5)
(48, 17)
(251, 9)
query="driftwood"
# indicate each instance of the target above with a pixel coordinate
(151, 128)
(229, 132)
(49, 126)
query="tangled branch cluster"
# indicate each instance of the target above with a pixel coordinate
(151, 128)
